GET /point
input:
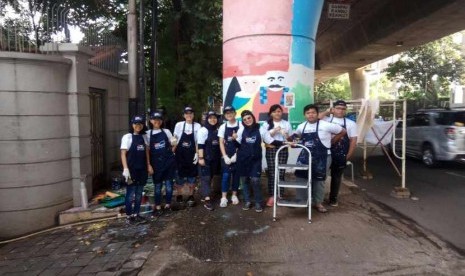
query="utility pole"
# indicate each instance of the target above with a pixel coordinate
(154, 57)
(132, 57)
(141, 109)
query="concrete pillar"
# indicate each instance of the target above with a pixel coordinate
(359, 84)
(268, 55)
(79, 116)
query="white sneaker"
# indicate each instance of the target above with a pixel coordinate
(224, 202)
(234, 200)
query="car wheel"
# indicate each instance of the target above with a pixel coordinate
(428, 157)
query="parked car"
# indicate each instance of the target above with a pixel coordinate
(435, 135)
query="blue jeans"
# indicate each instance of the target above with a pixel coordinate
(257, 191)
(135, 190)
(226, 179)
(168, 190)
(189, 180)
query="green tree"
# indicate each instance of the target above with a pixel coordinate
(337, 88)
(190, 53)
(426, 72)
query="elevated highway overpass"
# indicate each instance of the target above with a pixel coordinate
(378, 29)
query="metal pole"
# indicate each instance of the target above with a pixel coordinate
(141, 109)
(154, 57)
(132, 57)
(404, 136)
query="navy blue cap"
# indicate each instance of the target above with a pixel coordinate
(137, 120)
(211, 113)
(188, 109)
(228, 109)
(340, 102)
(156, 115)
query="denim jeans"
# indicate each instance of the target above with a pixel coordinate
(135, 190)
(257, 191)
(189, 180)
(226, 179)
(168, 190)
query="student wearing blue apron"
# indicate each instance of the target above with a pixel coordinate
(134, 156)
(316, 135)
(186, 155)
(162, 163)
(228, 146)
(341, 151)
(209, 156)
(249, 159)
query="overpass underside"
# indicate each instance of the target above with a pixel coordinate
(381, 28)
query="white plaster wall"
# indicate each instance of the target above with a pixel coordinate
(35, 150)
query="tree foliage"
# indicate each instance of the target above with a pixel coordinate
(427, 72)
(337, 88)
(189, 40)
(190, 53)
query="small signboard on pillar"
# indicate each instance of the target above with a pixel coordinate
(338, 9)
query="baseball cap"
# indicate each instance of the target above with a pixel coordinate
(211, 113)
(229, 109)
(156, 115)
(340, 102)
(188, 109)
(137, 120)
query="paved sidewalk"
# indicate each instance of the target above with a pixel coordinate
(104, 248)
(357, 238)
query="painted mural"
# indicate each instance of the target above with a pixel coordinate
(268, 56)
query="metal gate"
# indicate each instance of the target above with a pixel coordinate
(97, 137)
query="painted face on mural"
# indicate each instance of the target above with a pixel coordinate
(276, 80)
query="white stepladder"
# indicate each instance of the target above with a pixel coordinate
(293, 184)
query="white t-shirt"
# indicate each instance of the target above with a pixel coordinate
(241, 130)
(325, 131)
(267, 138)
(187, 130)
(126, 141)
(156, 131)
(222, 128)
(351, 126)
(202, 135)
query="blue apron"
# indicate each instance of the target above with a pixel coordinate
(230, 146)
(212, 146)
(319, 155)
(137, 160)
(161, 155)
(185, 152)
(339, 150)
(249, 155)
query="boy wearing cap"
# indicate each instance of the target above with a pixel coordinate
(162, 162)
(228, 146)
(317, 135)
(209, 156)
(342, 151)
(134, 157)
(186, 154)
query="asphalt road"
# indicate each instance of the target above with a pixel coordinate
(440, 191)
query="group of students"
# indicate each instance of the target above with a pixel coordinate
(232, 149)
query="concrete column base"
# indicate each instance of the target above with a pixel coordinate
(400, 192)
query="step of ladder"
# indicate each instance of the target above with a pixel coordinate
(292, 203)
(293, 184)
(293, 166)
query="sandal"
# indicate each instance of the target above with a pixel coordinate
(321, 209)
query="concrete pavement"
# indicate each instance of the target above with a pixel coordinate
(357, 238)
